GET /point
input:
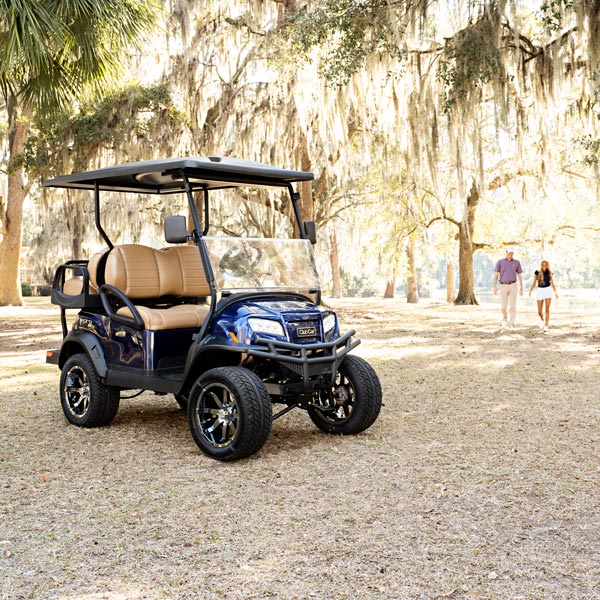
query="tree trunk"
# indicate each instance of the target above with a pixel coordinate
(412, 290)
(75, 220)
(450, 290)
(334, 261)
(422, 291)
(466, 278)
(12, 219)
(390, 287)
(306, 203)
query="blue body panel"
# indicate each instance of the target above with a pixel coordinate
(167, 350)
(301, 320)
(165, 353)
(148, 351)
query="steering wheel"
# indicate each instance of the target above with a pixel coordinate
(240, 259)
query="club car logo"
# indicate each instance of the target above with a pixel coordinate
(307, 331)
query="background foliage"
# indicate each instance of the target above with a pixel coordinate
(400, 108)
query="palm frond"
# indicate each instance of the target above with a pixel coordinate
(51, 51)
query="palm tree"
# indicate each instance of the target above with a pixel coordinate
(51, 53)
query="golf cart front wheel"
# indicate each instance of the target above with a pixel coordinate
(353, 402)
(229, 413)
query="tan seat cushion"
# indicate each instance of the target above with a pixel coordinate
(96, 268)
(73, 287)
(133, 269)
(176, 317)
(192, 281)
(143, 272)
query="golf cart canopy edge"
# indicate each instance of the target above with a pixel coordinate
(164, 176)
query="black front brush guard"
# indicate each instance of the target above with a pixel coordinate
(306, 360)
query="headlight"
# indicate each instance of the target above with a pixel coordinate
(328, 323)
(266, 326)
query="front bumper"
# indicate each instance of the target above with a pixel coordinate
(306, 360)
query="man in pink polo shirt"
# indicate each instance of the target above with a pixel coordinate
(507, 272)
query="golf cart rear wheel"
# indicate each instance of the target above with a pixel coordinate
(85, 400)
(229, 413)
(354, 401)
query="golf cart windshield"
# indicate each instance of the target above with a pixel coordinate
(262, 264)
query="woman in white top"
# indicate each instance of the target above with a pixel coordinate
(545, 286)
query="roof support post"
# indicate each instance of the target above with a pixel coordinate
(206, 212)
(192, 205)
(201, 245)
(97, 214)
(295, 196)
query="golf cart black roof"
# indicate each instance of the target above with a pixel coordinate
(165, 176)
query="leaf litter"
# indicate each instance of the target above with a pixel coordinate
(479, 479)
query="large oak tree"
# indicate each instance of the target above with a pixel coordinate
(51, 54)
(498, 59)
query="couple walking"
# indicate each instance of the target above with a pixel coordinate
(507, 273)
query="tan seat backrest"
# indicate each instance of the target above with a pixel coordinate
(143, 272)
(193, 277)
(96, 268)
(74, 285)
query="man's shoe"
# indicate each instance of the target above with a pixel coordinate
(545, 328)
(511, 327)
(541, 324)
(503, 323)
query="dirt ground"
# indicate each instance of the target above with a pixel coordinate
(479, 480)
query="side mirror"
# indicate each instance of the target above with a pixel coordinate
(311, 231)
(176, 230)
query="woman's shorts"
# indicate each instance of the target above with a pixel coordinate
(543, 293)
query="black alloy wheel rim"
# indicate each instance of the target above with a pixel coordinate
(77, 391)
(217, 415)
(338, 404)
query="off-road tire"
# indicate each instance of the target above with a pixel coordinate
(229, 413)
(356, 383)
(85, 400)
